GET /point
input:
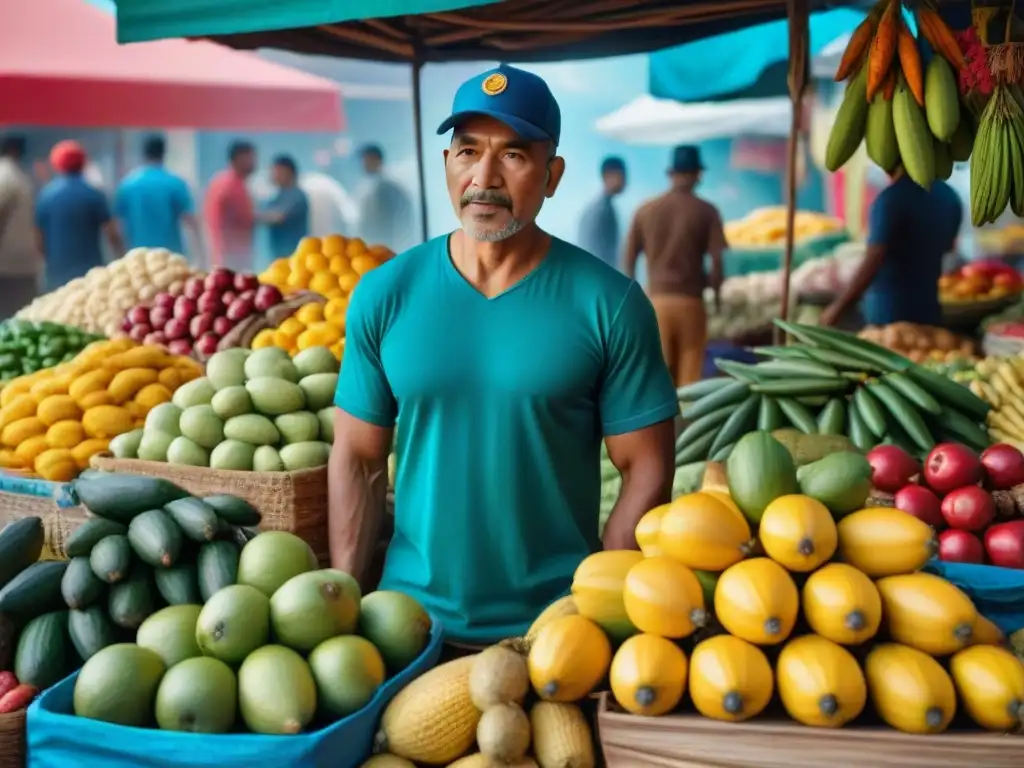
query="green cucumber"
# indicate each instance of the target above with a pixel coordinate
(723, 453)
(235, 510)
(705, 423)
(832, 417)
(133, 600)
(964, 428)
(870, 411)
(731, 394)
(34, 591)
(913, 392)
(839, 360)
(857, 430)
(898, 436)
(111, 558)
(789, 352)
(769, 417)
(795, 369)
(847, 344)
(798, 387)
(44, 656)
(21, 543)
(813, 401)
(179, 584)
(197, 519)
(798, 415)
(155, 538)
(742, 420)
(79, 585)
(949, 393)
(121, 497)
(91, 631)
(217, 567)
(691, 392)
(740, 371)
(696, 449)
(906, 415)
(88, 534)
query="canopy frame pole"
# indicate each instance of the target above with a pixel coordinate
(417, 120)
(798, 13)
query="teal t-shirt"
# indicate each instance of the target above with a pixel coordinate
(502, 404)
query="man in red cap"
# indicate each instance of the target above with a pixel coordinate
(70, 215)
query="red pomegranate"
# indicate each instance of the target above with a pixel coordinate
(920, 502)
(891, 467)
(969, 508)
(960, 547)
(950, 466)
(1005, 544)
(1004, 466)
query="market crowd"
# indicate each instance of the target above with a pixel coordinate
(56, 222)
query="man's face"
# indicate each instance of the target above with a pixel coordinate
(615, 182)
(371, 162)
(245, 163)
(497, 182)
(282, 175)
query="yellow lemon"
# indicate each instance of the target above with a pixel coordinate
(323, 282)
(347, 281)
(339, 264)
(292, 327)
(316, 262)
(309, 245)
(363, 264)
(335, 309)
(264, 338)
(298, 279)
(333, 245)
(310, 313)
(355, 247)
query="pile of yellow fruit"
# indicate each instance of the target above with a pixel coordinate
(767, 227)
(53, 421)
(312, 325)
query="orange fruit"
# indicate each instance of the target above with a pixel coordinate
(310, 313)
(347, 281)
(333, 245)
(292, 327)
(316, 262)
(298, 279)
(339, 264)
(323, 282)
(356, 247)
(309, 245)
(335, 309)
(363, 264)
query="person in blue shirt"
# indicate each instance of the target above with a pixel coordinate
(152, 203)
(599, 225)
(385, 210)
(910, 230)
(70, 216)
(287, 213)
(505, 356)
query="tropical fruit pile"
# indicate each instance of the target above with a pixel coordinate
(907, 113)
(767, 227)
(21, 544)
(27, 347)
(97, 302)
(256, 411)
(53, 421)
(745, 590)
(313, 325)
(921, 343)
(1000, 383)
(979, 281)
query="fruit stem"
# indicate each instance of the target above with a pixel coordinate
(732, 703)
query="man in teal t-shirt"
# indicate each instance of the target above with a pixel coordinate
(506, 356)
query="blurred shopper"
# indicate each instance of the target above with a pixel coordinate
(910, 231)
(229, 211)
(599, 225)
(287, 213)
(20, 261)
(675, 231)
(152, 203)
(70, 216)
(385, 211)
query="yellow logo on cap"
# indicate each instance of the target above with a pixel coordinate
(495, 84)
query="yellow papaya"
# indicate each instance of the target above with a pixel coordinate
(700, 531)
(798, 532)
(882, 541)
(927, 613)
(990, 682)
(757, 601)
(664, 597)
(647, 531)
(648, 675)
(820, 682)
(729, 679)
(568, 659)
(909, 689)
(597, 590)
(842, 604)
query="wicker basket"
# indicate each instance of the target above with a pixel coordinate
(692, 741)
(12, 740)
(289, 501)
(58, 521)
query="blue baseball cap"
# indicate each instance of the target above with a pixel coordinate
(518, 98)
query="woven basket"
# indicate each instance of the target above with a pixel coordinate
(58, 522)
(12, 740)
(692, 741)
(288, 501)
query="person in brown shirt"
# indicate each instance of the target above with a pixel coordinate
(675, 231)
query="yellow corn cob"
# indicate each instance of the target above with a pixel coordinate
(479, 760)
(387, 761)
(561, 736)
(433, 719)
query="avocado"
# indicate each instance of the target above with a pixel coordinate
(840, 481)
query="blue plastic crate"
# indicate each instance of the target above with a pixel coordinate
(58, 739)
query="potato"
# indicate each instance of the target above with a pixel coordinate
(148, 292)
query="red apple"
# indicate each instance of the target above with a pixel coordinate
(1005, 544)
(194, 288)
(163, 300)
(158, 316)
(176, 328)
(227, 297)
(950, 466)
(891, 468)
(219, 280)
(250, 295)
(206, 345)
(240, 309)
(267, 296)
(139, 332)
(201, 324)
(180, 347)
(1004, 466)
(246, 281)
(156, 337)
(139, 315)
(185, 308)
(126, 324)
(210, 302)
(222, 325)
(960, 547)
(969, 508)
(918, 501)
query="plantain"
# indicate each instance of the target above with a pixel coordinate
(913, 137)
(848, 127)
(941, 99)
(880, 134)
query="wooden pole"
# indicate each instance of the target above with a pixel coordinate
(417, 120)
(798, 12)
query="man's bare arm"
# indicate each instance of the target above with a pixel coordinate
(646, 460)
(357, 491)
(631, 251)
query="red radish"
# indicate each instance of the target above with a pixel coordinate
(219, 280)
(194, 288)
(200, 324)
(960, 547)
(140, 332)
(1004, 466)
(158, 316)
(246, 281)
(139, 315)
(228, 297)
(1005, 544)
(970, 508)
(176, 329)
(950, 466)
(156, 338)
(918, 501)
(207, 344)
(250, 295)
(891, 467)
(222, 325)
(126, 325)
(180, 347)
(185, 308)
(18, 698)
(266, 297)
(240, 309)
(210, 302)
(163, 299)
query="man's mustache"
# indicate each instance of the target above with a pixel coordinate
(490, 198)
